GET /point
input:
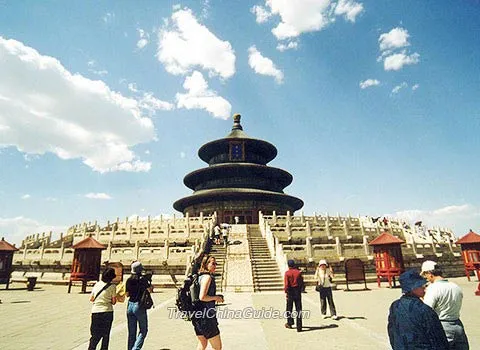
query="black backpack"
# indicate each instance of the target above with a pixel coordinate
(188, 294)
(144, 299)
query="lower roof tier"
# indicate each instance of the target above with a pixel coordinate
(238, 194)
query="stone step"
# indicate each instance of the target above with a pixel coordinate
(273, 276)
(261, 272)
(259, 290)
(270, 284)
(263, 263)
(267, 273)
(265, 267)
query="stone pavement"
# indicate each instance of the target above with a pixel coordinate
(49, 318)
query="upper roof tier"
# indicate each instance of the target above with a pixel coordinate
(255, 150)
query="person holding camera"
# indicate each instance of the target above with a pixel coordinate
(324, 276)
(136, 314)
(205, 320)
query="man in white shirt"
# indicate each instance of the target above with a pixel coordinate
(446, 299)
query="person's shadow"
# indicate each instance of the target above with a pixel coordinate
(316, 328)
(352, 317)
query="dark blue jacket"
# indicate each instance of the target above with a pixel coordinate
(414, 325)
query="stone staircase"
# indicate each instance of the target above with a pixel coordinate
(266, 275)
(219, 252)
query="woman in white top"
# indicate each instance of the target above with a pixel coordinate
(324, 276)
(103, 297)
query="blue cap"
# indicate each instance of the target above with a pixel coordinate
(411, 280)
(291, 263)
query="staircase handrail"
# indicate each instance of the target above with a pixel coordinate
(267, 234)
(280, 257)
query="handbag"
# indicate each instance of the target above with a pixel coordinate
(318, 288)
(145, 301)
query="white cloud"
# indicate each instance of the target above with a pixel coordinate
(132, 87)
(147, 101)
(17, 228)
(415, 87)
(205, 8)
(394, 39)
(390, 43)
(369, 82)
(101, 72)
(261, 13)
(183, 155)
(153, 104)
(263, 65)
(100, 195)
(136, 166)
(185, 44)
(198, 96)
(26, 196)
(284, 47)
(459, 217)
(398, 60)
(350, 9)
(451, 210)
(144, 39)
(48, 109)
(109, 17)
(397, 88)
(303, 16)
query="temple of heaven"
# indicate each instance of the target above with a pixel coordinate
(238, 182)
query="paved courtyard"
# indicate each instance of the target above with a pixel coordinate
(49, 318)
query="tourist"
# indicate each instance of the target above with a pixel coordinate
(293, 287)
(136, 314)
(324, 276)
(411, 323)
(206, 326)
(446, 299)
(103, 298)
(216, 234)
(225, 229)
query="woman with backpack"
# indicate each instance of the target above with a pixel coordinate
(206, 326)
(136, 313)
(103, 298)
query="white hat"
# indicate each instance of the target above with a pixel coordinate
(322, 262)
(428, 265)
(137, 267)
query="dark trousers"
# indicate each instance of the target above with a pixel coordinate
(100, 329)
(326, 295)
(294, 296)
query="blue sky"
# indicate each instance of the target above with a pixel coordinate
(373, 106)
